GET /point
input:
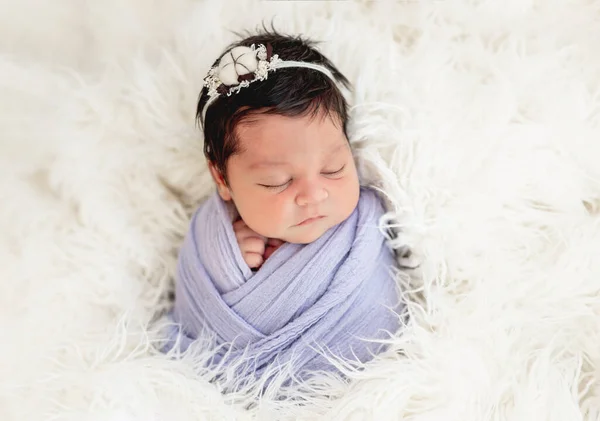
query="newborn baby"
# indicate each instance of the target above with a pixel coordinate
(285, 265)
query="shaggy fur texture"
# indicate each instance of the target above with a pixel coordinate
(481, 119)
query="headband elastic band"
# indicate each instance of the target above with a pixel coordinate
(241, 66)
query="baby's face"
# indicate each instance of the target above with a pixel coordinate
(294, 177)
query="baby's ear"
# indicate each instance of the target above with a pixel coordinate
(222, 187)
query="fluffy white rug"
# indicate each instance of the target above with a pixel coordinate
(481, 118)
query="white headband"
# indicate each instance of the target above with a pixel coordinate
(241, 66)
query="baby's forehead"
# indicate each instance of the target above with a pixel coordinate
(277, 129)
(292, 144)
(255, 158)
(281, 139)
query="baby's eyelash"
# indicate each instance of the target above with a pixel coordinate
(278, 186)
(335, 172)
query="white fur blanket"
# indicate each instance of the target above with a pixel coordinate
(481, 118)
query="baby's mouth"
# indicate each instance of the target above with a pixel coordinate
(309, 221)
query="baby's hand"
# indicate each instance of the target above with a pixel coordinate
(272, 245)
(251, 244)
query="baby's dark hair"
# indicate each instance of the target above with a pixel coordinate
(289, 92)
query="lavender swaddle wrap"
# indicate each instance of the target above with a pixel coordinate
(336, 293)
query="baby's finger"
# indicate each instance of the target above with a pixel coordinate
(243, 231)
(274, 242)
(253, 260)
(239, 224)
(253, 245)
(269, 250)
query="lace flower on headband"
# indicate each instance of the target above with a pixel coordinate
(241, 66)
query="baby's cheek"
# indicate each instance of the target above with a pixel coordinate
(276, 214)
(349, 198)
(269, 217)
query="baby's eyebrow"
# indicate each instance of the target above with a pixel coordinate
(262, 164)
(337, 148)
(267, 164)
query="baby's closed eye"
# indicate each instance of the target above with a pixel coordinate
(281, 184)
(334, 172)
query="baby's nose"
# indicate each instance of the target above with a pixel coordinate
(311, 194)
